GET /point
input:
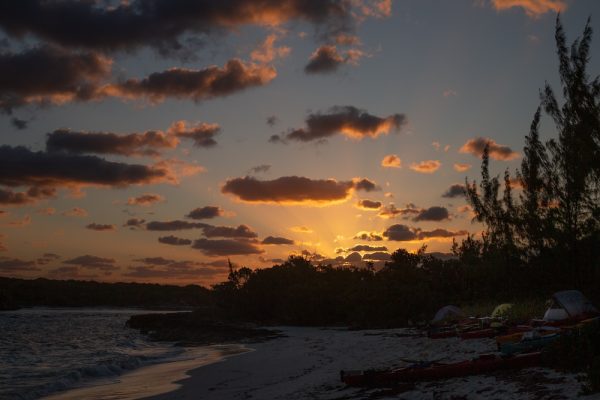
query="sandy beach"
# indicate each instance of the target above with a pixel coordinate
(305, 364)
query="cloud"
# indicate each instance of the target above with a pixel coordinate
(462, 167)
(49, 75)
(159, 267)
(93, 262)
(101, 227)
(202, 134)
(377, 256)
(263, 168)
(20, 223)
(496, 151)
(206, 212)
(456, 190)
(175, 225)
(369, 236)
(301, 229)
(290, 190)
(267, 52)
(277, 240)
(345, 39)
(272, 120)
(400, 233)
(365, 184)
(134, 223)
(391, 161)
(47, 258)
(9, 197)
(325, 59)
(441, 233)
(174, 240)
(426, 167)
(368, 204)
(46, 211)
(533, 8)
(434, 213)
(146, 199)
(161, 24)
(392, 211)
(75, 212)
(404, 233)
(364, 247)
(20, 166)
(241, 231)
(19, 124)
(346, 120)
(197, 85)
(226, 247)
(144, 144)
(16, 265)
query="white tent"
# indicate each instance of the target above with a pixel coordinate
(569, 304)
(447, 313)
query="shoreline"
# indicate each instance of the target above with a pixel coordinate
(154, 379)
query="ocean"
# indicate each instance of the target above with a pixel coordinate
(48, 350)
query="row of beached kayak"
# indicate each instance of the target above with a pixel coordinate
(519, 346)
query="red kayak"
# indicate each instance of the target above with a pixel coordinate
(493, 332)
(434, 371)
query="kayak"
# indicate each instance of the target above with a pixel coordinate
(436, 371)
(494, 332)
(528, 344)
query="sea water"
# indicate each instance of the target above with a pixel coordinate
(45, 351)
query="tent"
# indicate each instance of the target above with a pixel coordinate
(569, 304)
(447, 314)
(501, 311)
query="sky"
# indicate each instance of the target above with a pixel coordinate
(154, 140)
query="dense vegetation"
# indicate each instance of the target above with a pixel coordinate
(544, 239)
(45, 292)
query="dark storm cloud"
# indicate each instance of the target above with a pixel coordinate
(202, 134)
(148, 143)
(277, 240)
(392, 211)
(226, 247)
(346, 120)
(434, 213)
(288, 190)
(456, 190)
(175, 225)
(100, 227)
(195, 85)
(206, 212)
(369, 204)
(241, 231)
(496, 151)
(20, 166)
(325, 59)
(353, 258)
(47, 75)
(16, 265)
(158, 23)
(93, 262)
(174, 240)
(272, 120)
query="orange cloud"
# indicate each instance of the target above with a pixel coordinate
(391, 161)
(426, 167)
(462, 167)
(146, 199)
(533, 8)
(496, 151)
(295, 190)
(267, 51)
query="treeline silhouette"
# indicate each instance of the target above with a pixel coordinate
(542, 239)
(16, 293)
